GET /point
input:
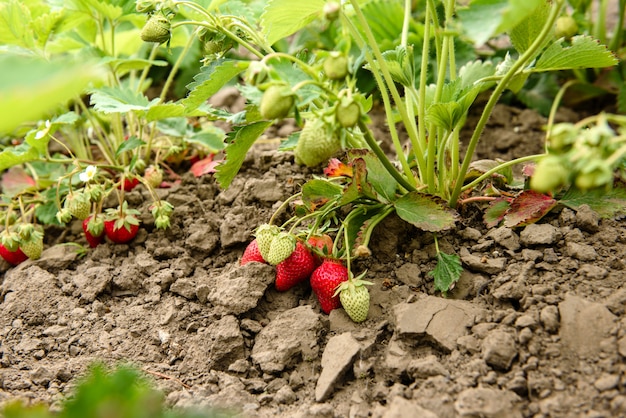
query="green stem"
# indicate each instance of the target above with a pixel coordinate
(383, 158)
(494, 170)
(380, 64)
(495, 96)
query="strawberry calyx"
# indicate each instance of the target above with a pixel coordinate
(123, 217)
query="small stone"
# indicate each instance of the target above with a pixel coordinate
(285, 395)
(400, 407)
(484, 402)
(539, 234)
(549, 317)
(338, 357)
(582, 252)
(606, 382)
(499, 349)
(506, 238)
(409, 274)
(587, 219)
(584, 324)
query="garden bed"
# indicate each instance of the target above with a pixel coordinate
(533, 327)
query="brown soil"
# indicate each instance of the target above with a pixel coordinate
(535, 327)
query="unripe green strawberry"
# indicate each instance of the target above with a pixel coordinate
(33, 246)
(348, 113)
(355, 299)
(156, 29)
(264, 236)
(600, 175)
(549, 175)
(566, 27)
(317, 143)
(277, 102)
(78, 205)
(336, 66)
(282, 246)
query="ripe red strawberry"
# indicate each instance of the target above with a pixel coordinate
(324, 282)
(12, 257)
(94, 231)
(252, 253)
(128, 184)
(294, 269)
(122, 224)
(321, 244)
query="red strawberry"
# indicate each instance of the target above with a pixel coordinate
(128, 184)
(321, 244)
(12, 257)
(122, 224)
(324, 282)
(294, 269)
(252, 253)
(94, 231)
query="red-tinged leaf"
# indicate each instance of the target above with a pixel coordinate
(527, 208)
(336, 168)
(204, 166)
(496, 211)
(528, 170)
(16, 180)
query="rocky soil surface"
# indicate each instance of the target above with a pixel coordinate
(536, 327)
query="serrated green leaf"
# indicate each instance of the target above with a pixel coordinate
(474, 71)
(17, 155)
(210, 80)
(385, 18)
(165, 111)
(15, 18)
(130, 144)
(401, 65)
(119, 100)
(107, 10)
(281, 19)
(606, 203)
(447, 272)
(236, 151)
(444, 115)
(484, 19)
(123, 65)
(316, 193)
(583, 52)
(383, 182)
(525, 32)
(426, 212)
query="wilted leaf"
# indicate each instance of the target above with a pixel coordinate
(15, 180)
(316, 193)
(204, 166)
(527, 208)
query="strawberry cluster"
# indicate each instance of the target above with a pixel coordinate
(297, 261)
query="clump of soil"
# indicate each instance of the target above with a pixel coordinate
(535, 327)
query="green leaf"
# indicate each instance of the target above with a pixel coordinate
(385, 18)
(211, 138)
(15, 19)
(584, 52)
(447, 272)
(165, 111)
(210, 80)
(130, 144)
(606, 203)
(401, 65)
(124, 65)
(525, 32)
(484, 19)
(119, 100)
(316, 193)
(426, 212)
(282, 18)
(383, 182)
(445, 115)
(236, 151)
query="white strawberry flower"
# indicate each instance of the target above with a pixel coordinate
(88, 174)
(43, 131)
